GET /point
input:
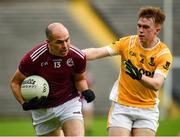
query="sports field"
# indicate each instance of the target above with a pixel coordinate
(23, 127)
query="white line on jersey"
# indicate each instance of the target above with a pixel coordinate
(164, 51)
(132, 39)
(77, 52)
(38, 52)
(38, 49)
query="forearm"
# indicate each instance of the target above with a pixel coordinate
(152, 83)
(90, 53)
(87, 93)
(81, 85)
(96, 53)
(16, 89)
(16, 85)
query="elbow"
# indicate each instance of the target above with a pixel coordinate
(92, 53)
(157, 86)
(153, 83)
(85, 51)
(89, 58)
(12, 86)
(11, 83)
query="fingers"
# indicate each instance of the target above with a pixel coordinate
(131, 70)
(128, 66)
(33, 99)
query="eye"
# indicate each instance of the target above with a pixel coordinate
(66, 40)
(59, 42)
(146, 27)
(62, 41)
(138, 25)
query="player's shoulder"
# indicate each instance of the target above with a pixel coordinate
(164, 46)
(76, 52)
(128, 37)
(38, 51)
(127, 40)
(163, 50)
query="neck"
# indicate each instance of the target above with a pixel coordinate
(150, 44)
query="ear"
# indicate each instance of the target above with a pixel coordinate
(47, 41)
(158, 28)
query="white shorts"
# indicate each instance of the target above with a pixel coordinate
(87, 106)
(130, 117)
(48, 120)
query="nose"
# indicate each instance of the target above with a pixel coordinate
(64, 45)
(140, 29)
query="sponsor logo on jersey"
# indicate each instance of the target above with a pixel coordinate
(43, 64)
(146, 72)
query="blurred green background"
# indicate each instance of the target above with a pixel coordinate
(23, 127)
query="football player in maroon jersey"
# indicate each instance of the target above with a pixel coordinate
(63, 66)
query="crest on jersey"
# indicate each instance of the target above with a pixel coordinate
(152, 62)
(142, 58)
(70, 62)
(132, 53)
(167, 65)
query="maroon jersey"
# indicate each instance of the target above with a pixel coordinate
(58, 71)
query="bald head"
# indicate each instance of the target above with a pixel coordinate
(56, 29)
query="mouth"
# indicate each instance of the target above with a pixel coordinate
(141, 37)
(64, 52)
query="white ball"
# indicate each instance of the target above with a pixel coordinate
(34, 86)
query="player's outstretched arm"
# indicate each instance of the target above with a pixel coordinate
(96, 53)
